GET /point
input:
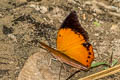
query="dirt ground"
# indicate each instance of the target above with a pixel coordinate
(23, 23)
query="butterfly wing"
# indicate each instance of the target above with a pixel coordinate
(72, 41)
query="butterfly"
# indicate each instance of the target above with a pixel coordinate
(72, 43)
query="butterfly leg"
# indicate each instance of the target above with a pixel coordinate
(50, 62)
(73, 74)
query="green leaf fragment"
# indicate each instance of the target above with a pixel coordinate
(114, 62)
(96, 24)
(98, 64)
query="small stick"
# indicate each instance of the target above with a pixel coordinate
(103, 73)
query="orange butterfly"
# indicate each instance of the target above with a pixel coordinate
(72, 44)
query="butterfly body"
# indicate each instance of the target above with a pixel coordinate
(72, 44)
(64, 58)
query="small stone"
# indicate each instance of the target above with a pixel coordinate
(1, 15)
(114, 27)
(12, 37)
(37, 8)
(32, 5)
(84, 17)
(43, 9)
(71, 1)
(96, 34)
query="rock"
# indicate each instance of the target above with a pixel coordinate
(12, 37)
(37, 68)
(43, 9)
(114, 27)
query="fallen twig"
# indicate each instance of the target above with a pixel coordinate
(103, 73)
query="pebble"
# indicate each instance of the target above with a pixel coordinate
(71, 1)
(35, 6)
(43, 9)
(114, 27)
(1, 15)
(12, 37)
(84, 17)
(96, 34)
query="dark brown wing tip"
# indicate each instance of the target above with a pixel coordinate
(72, 22)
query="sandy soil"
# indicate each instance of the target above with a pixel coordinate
(23, 23)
